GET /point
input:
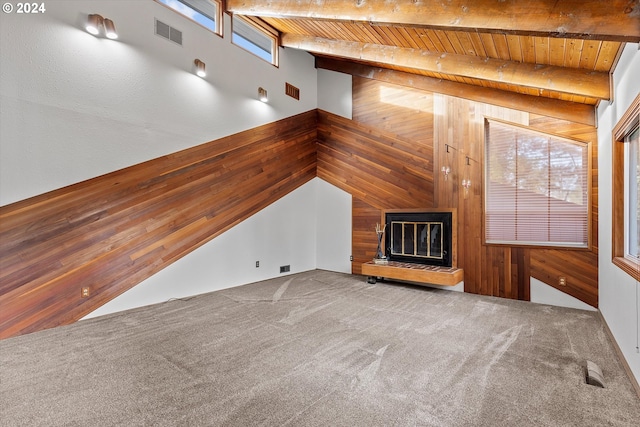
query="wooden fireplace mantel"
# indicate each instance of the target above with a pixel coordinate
(414, 273)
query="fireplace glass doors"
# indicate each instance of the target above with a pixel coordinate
(419, 237)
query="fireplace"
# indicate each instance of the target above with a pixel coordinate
(422, 237)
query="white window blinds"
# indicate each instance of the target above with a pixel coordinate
(536, 188)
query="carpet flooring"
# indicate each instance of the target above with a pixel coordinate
(319, 349)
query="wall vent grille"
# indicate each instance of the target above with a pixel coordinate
(292, 91)
(168, 32)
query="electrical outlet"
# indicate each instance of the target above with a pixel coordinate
(257, 264)
(351, 258)
(85, 292)
(285, 269)
(562, 281)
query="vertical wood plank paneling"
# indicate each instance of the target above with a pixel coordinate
(114, 231)
(459, 127)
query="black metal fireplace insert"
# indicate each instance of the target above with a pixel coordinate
(419, 237)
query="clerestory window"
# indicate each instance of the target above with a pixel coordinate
(207, 13)
(255, 38)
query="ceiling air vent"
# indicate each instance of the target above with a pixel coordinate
(292, 91)
(168, 32)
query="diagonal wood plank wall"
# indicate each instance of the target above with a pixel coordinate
(114, 231)
(387, 118)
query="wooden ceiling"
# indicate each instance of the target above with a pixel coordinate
(556, 49)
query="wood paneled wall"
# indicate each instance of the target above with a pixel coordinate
(354, 155)
(381, 170)
(112, 232)
(459, 123)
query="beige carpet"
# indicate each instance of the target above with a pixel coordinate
(319, 349)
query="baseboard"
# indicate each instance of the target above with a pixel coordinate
(621, 358)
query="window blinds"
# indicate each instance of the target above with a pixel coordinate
(536, 188)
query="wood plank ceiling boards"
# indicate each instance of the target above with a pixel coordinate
(563, 51)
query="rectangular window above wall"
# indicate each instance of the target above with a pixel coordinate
(207, 13)
(537, 188)
(255, 37)
(626, 191)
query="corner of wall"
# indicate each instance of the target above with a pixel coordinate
(619, 296)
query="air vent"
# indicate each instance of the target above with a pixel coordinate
(168, 32)
(292, 91)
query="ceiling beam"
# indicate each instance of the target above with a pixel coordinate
(613, 20)
(571, 111)
(592, 84)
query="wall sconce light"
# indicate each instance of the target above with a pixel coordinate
(446, 170)
(262, 95)
(200, 68)
(94, 24)
(466, 181)
(110, 29)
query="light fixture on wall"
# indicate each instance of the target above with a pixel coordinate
(110, 29)
(466, 181)
(446, 170)
(94, 24)
(200, 68)
(262, 95)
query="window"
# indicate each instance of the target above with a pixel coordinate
(632, 189)
(536, 188)
(255, 38)
(626, 191)
(205, 12)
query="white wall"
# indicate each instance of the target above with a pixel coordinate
(73, 106)
(541, 293)
(335, 93)
(284, 233)
(333, 228)
(618, 292)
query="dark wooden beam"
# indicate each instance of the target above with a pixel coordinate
(571, 111)
(613, 20)
(592, 84)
